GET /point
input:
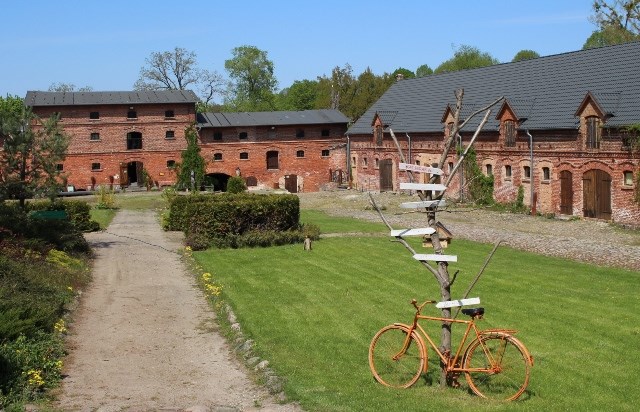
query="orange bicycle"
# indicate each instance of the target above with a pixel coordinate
(496, 365)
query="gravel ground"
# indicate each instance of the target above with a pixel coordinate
(592, 241)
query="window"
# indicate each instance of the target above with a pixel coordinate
(217, 135)
(489, 169)
(593, 133)
(217, 156)
(59, 167)
(546, 174)
(171, 164)
(272, 160)
(96, 166)
(325, 133)
(94, 136)
(628, 178)
(94, 115)
(134, 140)
(244, 156)
(169, 134)
(242, 135)
(379, 135)
(299, 133)
(131, 114)
(507, 172)
(325, 152)
(168, 114)
(377, 163)
(509, 133)
(365, 162)
(450, 167)
(526, 172)
(300, 153)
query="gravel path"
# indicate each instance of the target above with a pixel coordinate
(590, 241)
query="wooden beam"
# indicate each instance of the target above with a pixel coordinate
(456, 303)
(426, 203)
(412, 232)
(423, 186)
(420, 169)
(436, 258)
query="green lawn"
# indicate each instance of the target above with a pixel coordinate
(313, 314)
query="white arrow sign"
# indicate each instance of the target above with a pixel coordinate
(423, 186)
(413, 232)
(436, 258)
(420, 169)
(426, 203)
(456, 303)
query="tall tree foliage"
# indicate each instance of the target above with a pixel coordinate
(525, 55)
(301, 95)
(618, 21)
(253, 83)
(424, 70)
(32, 149)
(68, 87)
(178, 70)
(466, 57)
(192, 168)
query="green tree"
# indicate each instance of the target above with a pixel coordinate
(423, 71)
(466, 57)
(178, 70)
(301, 95)
(525, 55)
(406, 73)
(253, 83)
(364, 91)
(618, 21)
(32, 149)
(333, 92)
(192, 168)
(68, 87)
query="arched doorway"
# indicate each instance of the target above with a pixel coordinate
(216, 182)
(131, 173)
(596, 190)
(566, 192)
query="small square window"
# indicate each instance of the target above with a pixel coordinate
(94, 115)
(169, 134)
(628, 178)
(300, 153)
(96, 166)
(244, 156)
(526, 172)
(131, 114)
(507, 171)
(325, 153)
(489, 169)
(242, 135)
(325, 133)
(299, 133)
(546, 174)
(217, 156)
(94, 136)
(217, 135)
(171, 164)
(59, 167)
(168, 114)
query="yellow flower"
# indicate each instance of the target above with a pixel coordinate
(60, 326)
(34, 378)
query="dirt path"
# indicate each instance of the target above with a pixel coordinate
(144, 338)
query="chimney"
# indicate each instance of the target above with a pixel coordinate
(399, 77)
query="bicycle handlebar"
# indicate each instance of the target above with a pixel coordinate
(419, 307)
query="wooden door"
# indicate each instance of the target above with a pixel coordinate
(566, 192)
(124, 176)
(291, 183)
(596, 189)
(386, 175)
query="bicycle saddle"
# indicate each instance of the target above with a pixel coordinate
(473, 312)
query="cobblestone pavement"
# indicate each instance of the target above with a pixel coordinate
(592, 241)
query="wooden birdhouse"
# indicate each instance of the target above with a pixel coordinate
(443, 233)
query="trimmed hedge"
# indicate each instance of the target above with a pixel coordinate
(79, 212)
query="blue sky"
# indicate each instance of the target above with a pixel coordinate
(103, 44)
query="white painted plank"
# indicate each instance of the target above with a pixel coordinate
(412, 232)
(456, 303)
(421, 169)
(423, 186)
(426, 203)
(436, 258)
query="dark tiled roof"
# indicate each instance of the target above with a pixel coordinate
(240, 119)
(546, 91)
(36, 98)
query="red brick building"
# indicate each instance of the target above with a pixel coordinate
(561, 131)
(117, 136)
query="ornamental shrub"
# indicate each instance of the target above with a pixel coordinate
(236, 184)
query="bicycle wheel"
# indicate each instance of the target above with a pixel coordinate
(508, 377)
(390, 365)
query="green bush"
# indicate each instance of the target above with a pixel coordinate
(236, 184)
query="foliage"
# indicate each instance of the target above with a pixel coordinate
(68, 87)
(253, 81)
(178, 70)
(105, 198)
(32, 149)
(406, 73)
(480, 187)
(466, 57)
(79, 212)
(424, 70)
(192, 167)
(301, 95)
(637, 191)
(525, 55)
(236, 184)
(618, 22)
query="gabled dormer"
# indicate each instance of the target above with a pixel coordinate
(381, 121)
(594, 111)
(511, 115)
(448, 118)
